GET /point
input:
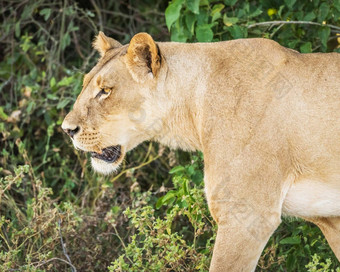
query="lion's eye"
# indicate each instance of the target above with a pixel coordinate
(103, 91)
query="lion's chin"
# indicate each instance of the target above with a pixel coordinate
(104, 167)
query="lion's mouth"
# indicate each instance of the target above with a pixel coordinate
(109, 154)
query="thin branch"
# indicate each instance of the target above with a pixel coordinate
(134, 168)
(97, 9)
(64, 248)
(276, 30)
(115, 31)
(121, 240)
(116, 13)
(87, 60)
(76, 43)
(62, 30)
(42, 29)
(55, 259)
(292, 22)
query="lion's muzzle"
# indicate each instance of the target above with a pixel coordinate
(109, 154)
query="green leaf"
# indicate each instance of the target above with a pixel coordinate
(66, 81)
(216, 12)
(178, 33)
(236, 32)
(291, 241)
(184, 204)
(336, 4)
(290, 3)
(246, 7)
(324, 35)
(186, 187)
(197, 177)
(46, 12)
(166, 199)
(203, 16)
(172, 12)
(309, 16)
(177, 169)
(190, 20)
(65, 41)
(62, 103)
(170, 201)
(168, 196)
(290, 262)
(217, 8)
(255, 13)
(90, 13)
(299, 15)
(30, 107)
(292, 44)
(52, 82)
(316, 3)
(280, 10)
(323, 12)
(17, 29)
(204, 33)
(50, 130)
(204, 3)
(159, 202)
(229, 21)
(230, 2)
(306, 47)
(3, 115)
(191, 170)
(194, 6)
(52, 97)
(69, 10)
(28, 10)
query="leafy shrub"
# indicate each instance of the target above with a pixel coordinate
(30, 234)
(316, 266)
(302, 25)
(179, 240)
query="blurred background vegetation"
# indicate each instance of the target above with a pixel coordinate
(56, 214)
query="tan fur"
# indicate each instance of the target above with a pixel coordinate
(102, 43)
(266, 118)
(142, 52)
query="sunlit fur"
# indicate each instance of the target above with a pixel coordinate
(266, 118)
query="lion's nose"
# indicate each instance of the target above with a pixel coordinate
(70, 129)
(71, 132)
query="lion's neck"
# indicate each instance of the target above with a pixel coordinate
(182, 94)
(180, 128)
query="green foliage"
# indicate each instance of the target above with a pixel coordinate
(306, 25)
(30, 233)
(177, 237)
(292, 246)
(316, 266)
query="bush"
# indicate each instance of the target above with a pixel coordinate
(177, 237)
(307, 26)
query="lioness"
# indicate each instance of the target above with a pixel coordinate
(266, 118)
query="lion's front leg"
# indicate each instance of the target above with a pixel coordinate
(240, 240)
(246, 202)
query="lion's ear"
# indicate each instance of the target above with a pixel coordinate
(143, 57)
(102, 43)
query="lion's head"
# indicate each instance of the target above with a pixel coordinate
(110, 115)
